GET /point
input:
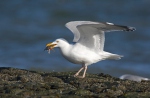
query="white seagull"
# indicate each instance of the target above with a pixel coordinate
(89, 38)
(133, 77)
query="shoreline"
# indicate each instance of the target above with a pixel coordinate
(21, 83)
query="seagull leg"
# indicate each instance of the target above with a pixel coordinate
(85, 68)
(79, 71)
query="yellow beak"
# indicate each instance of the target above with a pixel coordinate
(50, 46)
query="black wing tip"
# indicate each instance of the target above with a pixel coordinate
(130, 29)
(125, 28)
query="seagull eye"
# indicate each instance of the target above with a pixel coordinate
(57, 41)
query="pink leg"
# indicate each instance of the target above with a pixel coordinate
(83, 67)
(79, 71)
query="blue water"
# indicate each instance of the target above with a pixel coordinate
(26, 26)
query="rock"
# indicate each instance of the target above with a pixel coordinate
(20, 83)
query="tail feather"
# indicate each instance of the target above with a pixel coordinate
(108, 55)
(115, 56)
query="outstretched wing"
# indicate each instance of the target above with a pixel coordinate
(91, 34)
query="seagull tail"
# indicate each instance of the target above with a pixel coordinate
(108, 55)
(115, 56)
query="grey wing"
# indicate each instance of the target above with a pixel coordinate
(72, 26)
(91, 37)
(91, 33)
(106, 27)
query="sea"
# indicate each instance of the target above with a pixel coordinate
(26, 26)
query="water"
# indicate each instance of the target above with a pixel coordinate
(27, 26)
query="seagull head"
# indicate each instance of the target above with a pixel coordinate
(57, 43)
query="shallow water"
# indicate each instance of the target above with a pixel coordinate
(27, 26)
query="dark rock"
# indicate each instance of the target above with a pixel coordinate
(19, 83)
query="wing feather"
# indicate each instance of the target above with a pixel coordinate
(91, 37)
(72, 26)
(91, 34)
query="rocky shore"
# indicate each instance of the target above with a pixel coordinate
(20, 83)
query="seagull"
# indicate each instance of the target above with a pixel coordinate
(89, 40)
(133, 77)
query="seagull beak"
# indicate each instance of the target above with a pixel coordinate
(50, 46)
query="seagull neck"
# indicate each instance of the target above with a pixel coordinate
(65, 47)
